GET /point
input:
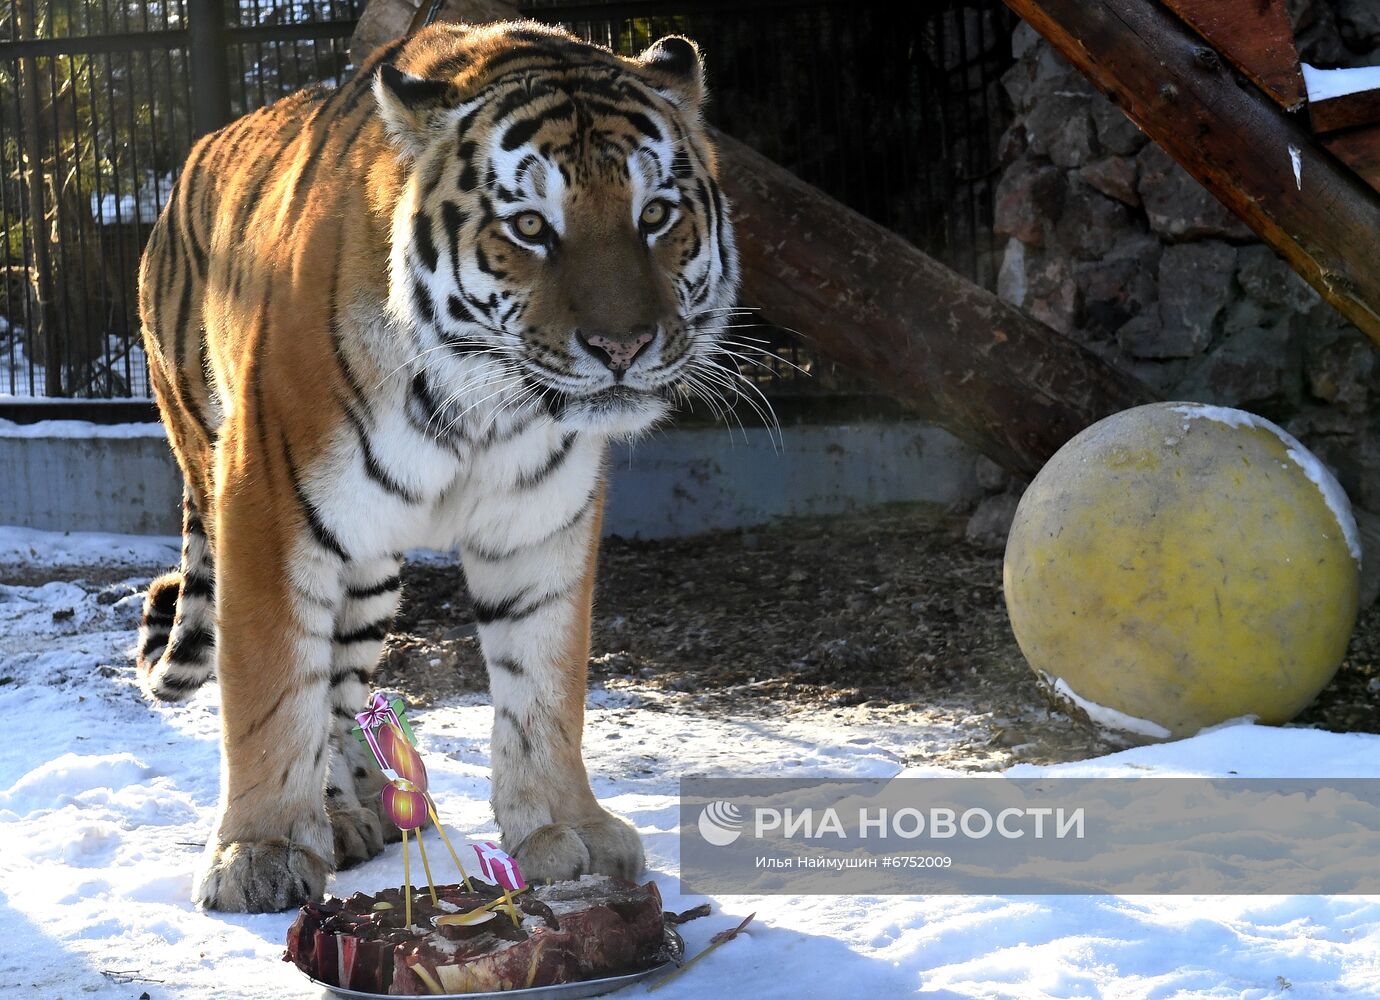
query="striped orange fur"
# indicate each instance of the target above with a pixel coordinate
(411, 311)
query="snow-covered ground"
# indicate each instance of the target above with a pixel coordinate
(105, 801)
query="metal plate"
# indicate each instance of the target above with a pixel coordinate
(561, 991)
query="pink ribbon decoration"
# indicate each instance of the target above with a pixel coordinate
(380, 714)
(499, 867)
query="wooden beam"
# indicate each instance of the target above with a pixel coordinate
(870, 301)
(1257, 37)
(1255, 158)
(1345, 111)
(1359, 149)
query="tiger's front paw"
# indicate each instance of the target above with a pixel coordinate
(605, 845)
(358, 833)
(262, 876)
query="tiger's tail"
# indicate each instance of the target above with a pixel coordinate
(177, 636)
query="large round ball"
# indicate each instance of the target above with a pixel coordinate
(1178, 565)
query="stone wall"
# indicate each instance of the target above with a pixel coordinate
(1112, 243)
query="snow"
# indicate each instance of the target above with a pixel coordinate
(1325, 84)
(79, 429)
(1107, 718)
(105, 801)
(33, 548)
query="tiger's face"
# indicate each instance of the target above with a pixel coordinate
(562, 241)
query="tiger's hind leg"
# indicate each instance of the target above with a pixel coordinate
(177, 636)
(372, 589)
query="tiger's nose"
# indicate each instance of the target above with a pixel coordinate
(618, 353)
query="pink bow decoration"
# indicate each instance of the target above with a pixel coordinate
(381, 713)
(499, 867)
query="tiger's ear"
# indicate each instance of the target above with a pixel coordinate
(678, 59)
(411, 106)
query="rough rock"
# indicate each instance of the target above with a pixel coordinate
(1341, 371)
(991, 522)
(1266, 278)
(1114, 176)
(1028, 196)
(1011, 277)
(1195, 281)
(990, 476)
(1359, 22)
(1178, 207)
(1252, 366)
(1120, 286)
(1054, 297)
(1091, 224)
(1116, 133)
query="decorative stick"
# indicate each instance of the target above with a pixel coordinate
(407, 883)
(512, 910)
(430, 882)
(431, 806)
(723, 937)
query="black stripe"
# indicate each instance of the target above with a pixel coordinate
(521, 132)
(508, 715)
(338, 341)
(339, 677)
(491, 556)
(179, 682)
(637, 119)
(373, 632)
(461, 313)
(262, 720)
(372, 467)
(511, 609)
(190, 646)
(198, 585)
(509, 665)
(385, 585)
(421, 239)
(158, 621)
(421, 301)
(553, 462)
(469, 177)
(453, 219)
(323, 535)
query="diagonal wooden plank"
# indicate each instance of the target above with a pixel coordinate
(1359, 149)
(1345, 111)
(1257, 37)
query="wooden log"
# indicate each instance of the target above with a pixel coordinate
(384, 20)
(1255, 158)
(1257, 37)
(864, 297)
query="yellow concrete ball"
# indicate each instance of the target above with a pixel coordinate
(1177, 565)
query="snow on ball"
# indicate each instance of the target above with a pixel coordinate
(1177, 565)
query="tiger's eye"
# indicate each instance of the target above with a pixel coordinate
(530, 226)
(654, 214)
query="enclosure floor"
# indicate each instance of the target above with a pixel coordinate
(888, 623)
(883, 620)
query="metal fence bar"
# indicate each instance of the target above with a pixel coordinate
(206, 47)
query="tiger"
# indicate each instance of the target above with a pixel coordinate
(411, 311)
